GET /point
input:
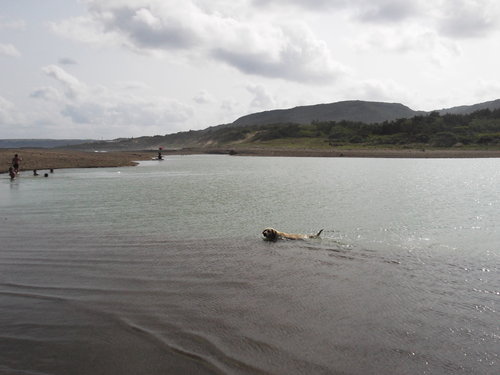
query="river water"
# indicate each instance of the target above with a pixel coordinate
(161, 268)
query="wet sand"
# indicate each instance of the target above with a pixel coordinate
(41, 159)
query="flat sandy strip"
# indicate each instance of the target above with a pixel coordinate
(41, 159)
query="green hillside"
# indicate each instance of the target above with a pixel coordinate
(480, 129)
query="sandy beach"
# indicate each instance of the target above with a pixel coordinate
(41, 159)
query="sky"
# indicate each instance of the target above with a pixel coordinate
(105, 69)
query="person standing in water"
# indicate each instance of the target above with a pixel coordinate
(12, 174)
(15, 163)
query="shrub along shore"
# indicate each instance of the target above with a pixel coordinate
(41, 159)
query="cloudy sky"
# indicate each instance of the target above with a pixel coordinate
(123, 68)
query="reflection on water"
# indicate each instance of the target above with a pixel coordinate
(161, 268)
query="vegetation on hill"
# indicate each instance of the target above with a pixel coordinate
(480, 128)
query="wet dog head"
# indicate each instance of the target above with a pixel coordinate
(270, 234)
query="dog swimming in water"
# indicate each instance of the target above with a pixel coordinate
(272, 234)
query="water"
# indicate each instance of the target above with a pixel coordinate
(161, 268)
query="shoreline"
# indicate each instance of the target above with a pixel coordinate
(41, 159)
(367, 153)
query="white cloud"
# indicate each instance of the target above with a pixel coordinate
(377, 90)
(487, 90)
(73, 87)
(262, 99)
(6, 112)
(9, 24)
(47, 93)
(291, 52)
(85, 29)
(203, 97)
(11, 118)
(9, 50)
(101, 106)
(415, 40)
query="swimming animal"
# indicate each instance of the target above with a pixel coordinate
(272, 234)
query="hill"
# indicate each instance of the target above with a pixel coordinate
(352, 110)
(335, 124)
(467, 109)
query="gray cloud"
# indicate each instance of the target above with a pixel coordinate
(9, 24)
(101, 106)
(67, 61)
(451, 18)
(9, 50)
(148, 30)
(362, 10)
(285, 66)
(464, 22)
(261, 98)
(386, 10)
(11, 118)
(203, 97)
(46, 93)
(309, 4)
(262, 48)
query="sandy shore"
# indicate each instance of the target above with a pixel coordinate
(41, 159)
(373, 153)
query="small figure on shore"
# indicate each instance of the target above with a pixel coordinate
(159, 156)
(51, 170)
(12, 174)
(35, 173)
(15, 163)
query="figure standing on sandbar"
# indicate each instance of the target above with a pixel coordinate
(15, 163)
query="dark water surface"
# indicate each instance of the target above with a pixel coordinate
(161, 269)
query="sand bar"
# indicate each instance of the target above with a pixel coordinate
(41, 159)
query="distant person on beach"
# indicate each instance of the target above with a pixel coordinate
(35, 173)
(12, 174)
(15, 163)
(159, 155)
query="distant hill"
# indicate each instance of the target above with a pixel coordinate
(466, 109)
(352, 110)
(282, 123)
(41, 143)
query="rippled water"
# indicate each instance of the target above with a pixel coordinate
(161, 268)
